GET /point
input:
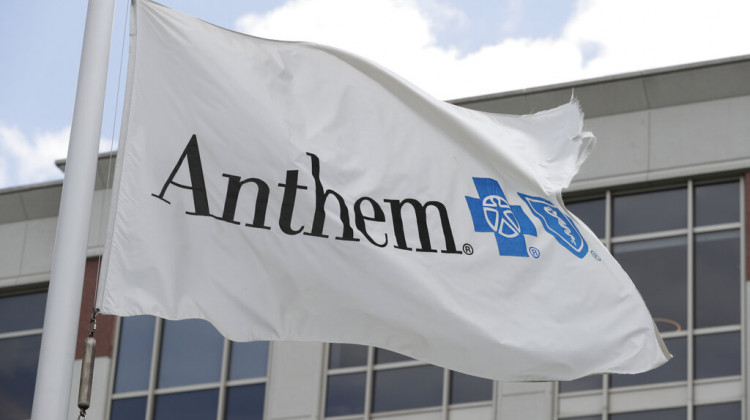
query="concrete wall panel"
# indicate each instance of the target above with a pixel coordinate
(38, 245)
(621, 148)
(11, 248)
(700, 133)
(525, 400)
(98, 224)
(294, 390)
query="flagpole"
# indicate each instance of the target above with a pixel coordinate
(57, 353)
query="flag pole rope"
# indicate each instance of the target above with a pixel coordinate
(102, 220)
(89, 349)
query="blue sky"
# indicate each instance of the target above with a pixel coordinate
(450, 48)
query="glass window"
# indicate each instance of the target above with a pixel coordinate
(190, 353)
(19, 357)
(674, 370)
(414, 387)
(649, 212)
(727, 411)
(668, 414)
(658, 269)
(194, 343)
(582, 384)
(717, 203)
(387, 356)
(717, 355)
(21, 320)
(591, 212)
(346, 355)
(345, 394)
(248, 360)
(659, 262)
(195, 405)
(717, 278)
(597, 417)
(245, 402)
(466, 388)
(134, 353)
(22, 312)
(128, 409)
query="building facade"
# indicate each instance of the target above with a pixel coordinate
(666, 190)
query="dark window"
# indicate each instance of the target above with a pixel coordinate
(717, 355)
(717, 278)
(245, 402)
(128, 409)
(668, 414)
(649, 212)
(346, 355)
(19, 357)
(582, 384)
(414, 387)
(248, 360)
(466, 388)
(387, 356)
(674, 370)
(717, 203)
(190, 353)
(22, 312)
(727, 411)
(658, 268)
(591, 212)
(134, 353)
(19, 352)
(597, 417)
(195, 405)
(345, 394)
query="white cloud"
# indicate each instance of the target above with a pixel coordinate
(384, 31)
(31, 159)
(642, 34)
(603, 37)
(25, 160)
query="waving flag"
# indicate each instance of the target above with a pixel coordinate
(292, 191)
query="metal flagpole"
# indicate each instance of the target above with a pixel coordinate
(57, 354)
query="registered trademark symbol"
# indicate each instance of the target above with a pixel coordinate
(595, 255)
(468, 249)
(534, 252)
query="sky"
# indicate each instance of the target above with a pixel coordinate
(450, 48)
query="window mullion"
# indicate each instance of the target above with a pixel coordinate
(369, 388)
(221, 406)
(324, 382)
(150, 401)
(446, 393)
(608, 220)
(743, 289)
(113, 366)
(690, 300)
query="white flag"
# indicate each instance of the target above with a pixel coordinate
(292, 191)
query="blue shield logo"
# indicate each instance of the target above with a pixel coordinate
(492, 212)
(558, 224)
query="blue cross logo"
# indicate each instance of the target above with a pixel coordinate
(492, 212)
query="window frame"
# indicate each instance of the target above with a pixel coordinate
(691, 385)
(26, 289)
(153, 391)
(370, 368)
